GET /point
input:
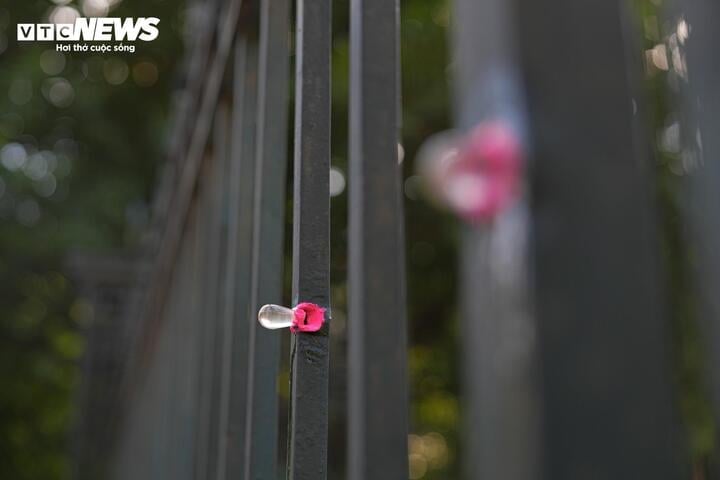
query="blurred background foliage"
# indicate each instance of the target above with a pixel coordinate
(664, 68)
(81, 140)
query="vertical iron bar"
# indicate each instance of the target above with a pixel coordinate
(165, 363)
(377, 326)
(234, 356)
(500, 408)
(241, 385)
(196, 314)
(209, 240)
(602, 330)
(187, 367)
(268, 231)
(221, 186)
(172, 334)
(213, 301)
(307, 446)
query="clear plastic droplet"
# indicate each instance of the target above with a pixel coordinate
(274, 317)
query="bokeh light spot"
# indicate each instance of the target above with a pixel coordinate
(59, 92)
(337, 182)
(418, 466)
(36, 168)
(64, 14)
(116, 71)
(145, 74)
(13, 156)
(52, 62)
(46, 187)
(96, 8)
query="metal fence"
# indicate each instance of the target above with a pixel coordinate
(196, 396)
(565, 337)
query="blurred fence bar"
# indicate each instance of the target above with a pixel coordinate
(500, 388)
(601, 316)
(187, 394)
(266, 258)
(208, 315)
(309, 363)
(106, 282)
(376, 283)
(209, 199)
(693, 38)
(236, 318)
(222, 151)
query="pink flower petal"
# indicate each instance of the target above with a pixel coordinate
(308, 318)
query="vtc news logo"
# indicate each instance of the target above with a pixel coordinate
(91, 29)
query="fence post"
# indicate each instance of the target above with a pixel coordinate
(307, 446)
(267, 258)
(377, 359)
(500, 409)
(602, 323)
